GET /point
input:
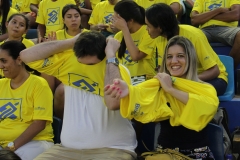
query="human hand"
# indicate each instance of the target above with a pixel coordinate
(119, 23)
(112, 47)
(102, 26)
(51, 36)
(118, 89)
(165, 81)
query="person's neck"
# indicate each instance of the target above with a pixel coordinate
(73, 32)
(135, 27)
(14, 39)
(20, 79)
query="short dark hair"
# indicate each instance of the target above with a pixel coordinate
(21, 15)
(4, 9)
(90, 43)
(8, 155)
(161, 15)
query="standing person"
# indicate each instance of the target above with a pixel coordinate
(219, 22)
(25, 106)
(89, 127)
(137, 50)
(177, 98)
(5, 12)
(49, 16)
(163, 25)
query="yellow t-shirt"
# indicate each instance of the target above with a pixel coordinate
(50, 14)
(147, 102)
(207, 58)
(102, 13)
(94, 3)
(62, 34)
(35, 1)
(147, 3)
(21, 5)
(20, 107)
(69, 71)
(202, 6)
(11, 12)
(145, 44)
(28, 43)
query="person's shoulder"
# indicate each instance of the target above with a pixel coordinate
(37, 80)
(12, 10)
(27, 42)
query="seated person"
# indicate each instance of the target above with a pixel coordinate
(49, 16)
(101, 17)
(6, 11)
(26, 106)
(89, 127)
(176, 97)
(137, 50)
(163, 25)
(17, 25)
(219, 21)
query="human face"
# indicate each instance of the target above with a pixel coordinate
(72, 19)
(89, 60)
(16, 27)
(152, 31)
(176, 61)
(9, 66)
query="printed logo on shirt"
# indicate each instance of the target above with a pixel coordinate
(107, 18)
(136, 109)
(85, 83)
(127, 57)
(11, 108)
(46, 63)
(39, 108)
(211, 5)
(18, 7)
(53, 18)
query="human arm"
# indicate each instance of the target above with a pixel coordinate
(209, 74)
(121, 24)
(233, 14)
(34, 8)
(112, 72)
(41, 30)
(45, 50)
(85, 11)
(3, 37)
(201, 18)
(175, 7)
(36, 127)
(166, 84)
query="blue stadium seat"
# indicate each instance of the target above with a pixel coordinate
(221, 49)
(230, 91)
(31, 34)
(215, 139)
(57, 128)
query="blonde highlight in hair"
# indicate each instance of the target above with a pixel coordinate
(191, 57)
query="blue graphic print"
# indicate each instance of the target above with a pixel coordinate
(53, 18)
(8, 110)
(84, 83)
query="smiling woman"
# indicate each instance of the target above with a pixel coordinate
(25, 118)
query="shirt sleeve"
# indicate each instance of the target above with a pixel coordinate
(43, 101)
(147, 45)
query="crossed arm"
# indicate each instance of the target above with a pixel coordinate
(221, 14)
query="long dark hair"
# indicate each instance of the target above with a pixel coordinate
(128, 10)
(161, 15)
(14, 48)
(4, 9)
